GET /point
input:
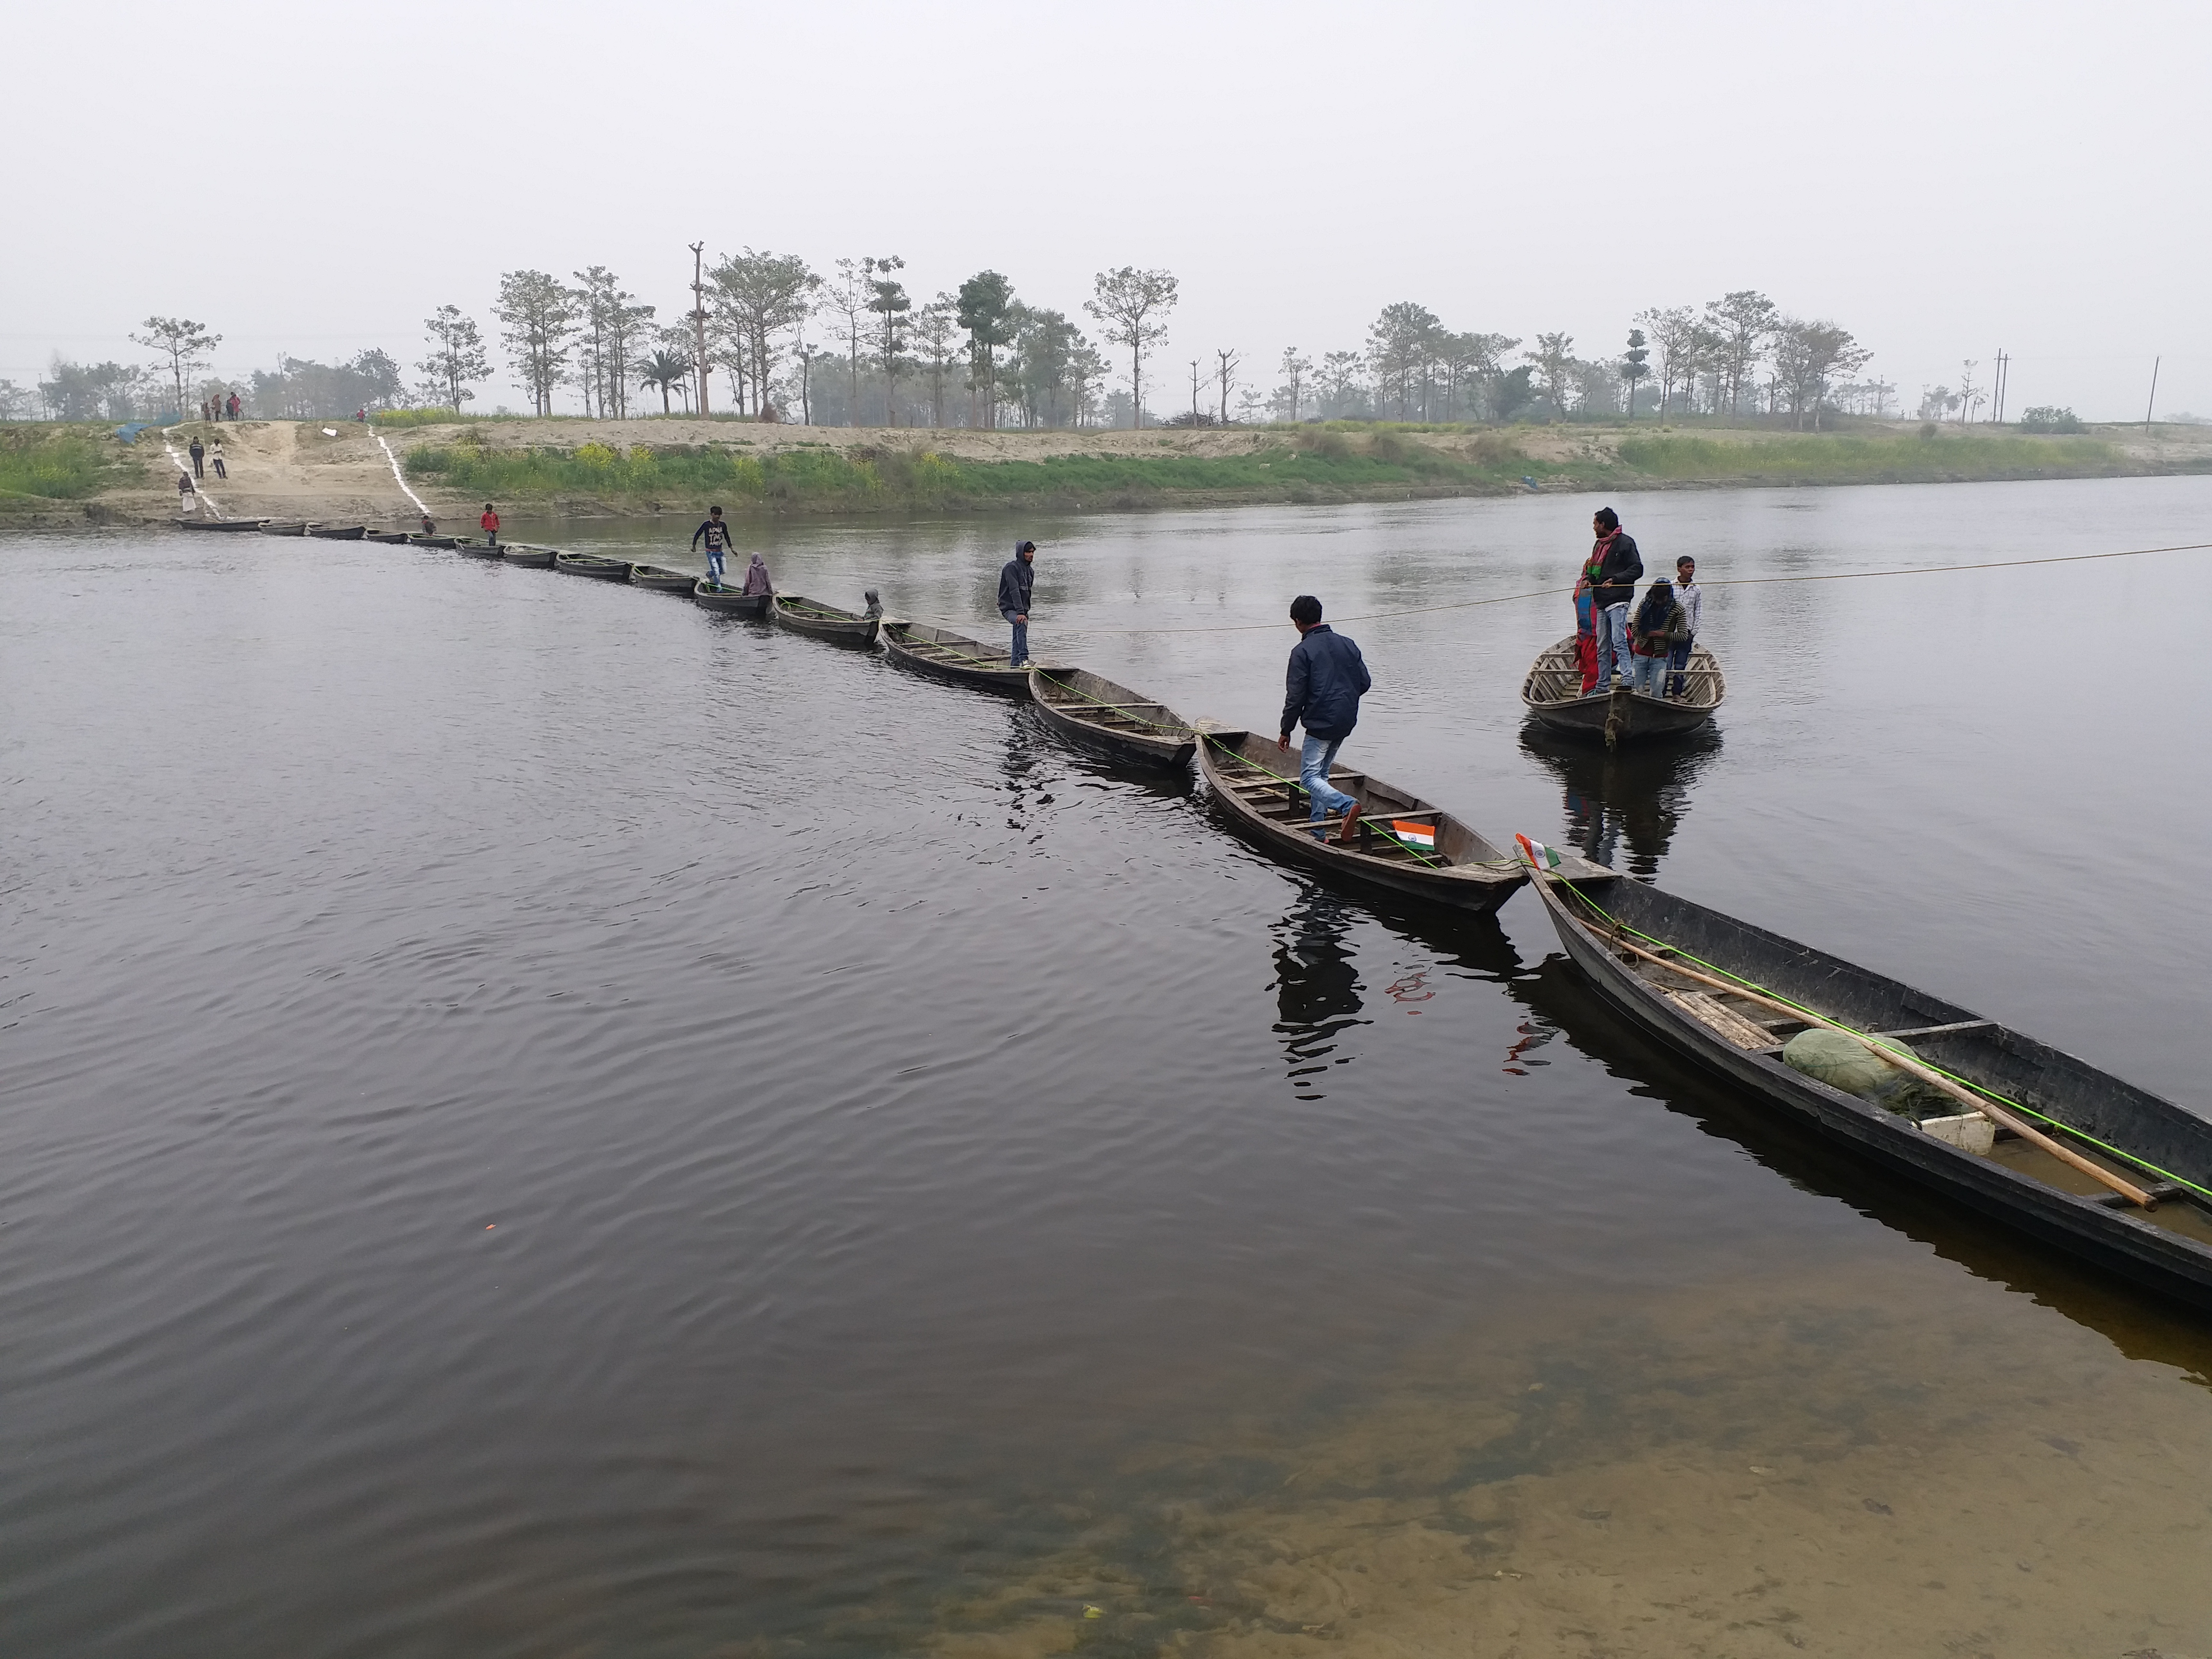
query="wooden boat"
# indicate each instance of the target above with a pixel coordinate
(220, 524)
(390, 537)
(1112, 720)
(533, 558)
(730, 601)
(433, 541)
(1552, 695)
(283, 527)
(2135, 1137)
(333, 532)
(593, 564)
(480, 550)
(1256, 784)
(951, 656)
(824, 621)
(661, 579)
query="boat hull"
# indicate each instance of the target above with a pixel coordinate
(1551, 694)
(661, 579)
(389, 537)
(1255, 787)
(220, 524)
(1111, 720)
(433, 541)
(591, 564)
(2009, 1061)
(530, 558)
(812, 617)
(948, 656)
(339, 533)
(728, 600)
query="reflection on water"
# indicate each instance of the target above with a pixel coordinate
(1637, 793)
(1316, 986)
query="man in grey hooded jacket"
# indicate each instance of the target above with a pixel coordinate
(1015, 582)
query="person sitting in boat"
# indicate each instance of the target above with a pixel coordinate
(1693, 599)
(875, 604)
(1659, 626)
(1326, 678)
(756, 579)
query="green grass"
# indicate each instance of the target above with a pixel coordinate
(41, 460)
(1886, 458)
(405, 417)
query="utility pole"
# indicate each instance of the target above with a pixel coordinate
(2153, 404)
(699, 317)
(1998, 391)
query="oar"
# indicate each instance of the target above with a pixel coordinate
(1988, 1109)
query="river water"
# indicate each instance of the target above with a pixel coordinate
(541, 1122)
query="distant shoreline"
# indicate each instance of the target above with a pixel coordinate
(338, 473)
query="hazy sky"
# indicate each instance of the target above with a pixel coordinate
(1943, 180)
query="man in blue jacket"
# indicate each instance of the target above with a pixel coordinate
(1326, 678)
(1015, 582)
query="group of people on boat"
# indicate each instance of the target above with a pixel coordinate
(1642, 644)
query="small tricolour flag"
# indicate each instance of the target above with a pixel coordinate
(1540, 856)
(1413, 833)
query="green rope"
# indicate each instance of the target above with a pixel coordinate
(1981, 1089)
(1118, 707)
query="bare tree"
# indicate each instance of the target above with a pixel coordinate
(185, 343)
(1743, 323)
(757, 296)
(1132, 305)
(1971, 396)
(1554, 357)
(457, 356)
(887, 298)
(848, 294)
(538, 319)
(1294, 369)
(934, 328)
(1669, 333)
(1338, 379)
(1807, 356)
(1229, 362)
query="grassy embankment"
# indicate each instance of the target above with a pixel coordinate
(42, 462)
(1295, 464)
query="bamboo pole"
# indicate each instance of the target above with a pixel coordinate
(1990, 1109)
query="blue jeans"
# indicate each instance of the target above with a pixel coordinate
(1649, 675)
(1020, 654)
(1677, 682)
(1613, 653)
(714, 566)
(1315, 756)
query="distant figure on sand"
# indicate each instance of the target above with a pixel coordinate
(490, 524)
(756, 579)
(1692, 599)
(214, 456)
(1016, 582)
(199, 452)
(1326, 678)
(1660, 627)
(717, 536)
(1612, 590)
(231, 403)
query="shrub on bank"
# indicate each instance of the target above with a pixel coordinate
(43, 462)
(1869, 460)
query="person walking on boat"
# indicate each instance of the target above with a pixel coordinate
(1612, 590)
(1016, 582)
(1691, 598)
(490, 524)
(717, 536)
(1659, 626)
(199, 452)
(756, 579)
(1326, 678)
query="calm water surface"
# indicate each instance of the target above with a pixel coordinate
(541, 1122)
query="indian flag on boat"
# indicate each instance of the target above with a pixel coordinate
(1540, 856)
(1415, 835)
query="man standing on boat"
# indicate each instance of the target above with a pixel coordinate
(1327, 676)
(1619, 565)
(490, 524)
(717, 542)
(1015, 583)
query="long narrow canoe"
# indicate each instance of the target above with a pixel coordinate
(283, 527)
(1257, 787)
(394, 538)
(2151, 1143)
(333, 532)
(531, 558)
(433, 541)
(661, 579)
(593, 564)
(824, 621)
(730, 601)
(480, 550)
(220, 523)
(950, 656)
(1552, 695)
(1111, 720)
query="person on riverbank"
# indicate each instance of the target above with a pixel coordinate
(489, 523)
(214, 456)
(1016, 583)
(1619, 564)
(1658, 627)
(717, 536)
(199, 452)
(757, 578)
(186, 493)
(430, 524)
(232, 403)
(1691, 598)
(1321, 690)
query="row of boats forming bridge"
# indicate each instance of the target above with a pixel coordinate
(1998, 1121)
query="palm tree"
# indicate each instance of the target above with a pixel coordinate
(664, 369)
